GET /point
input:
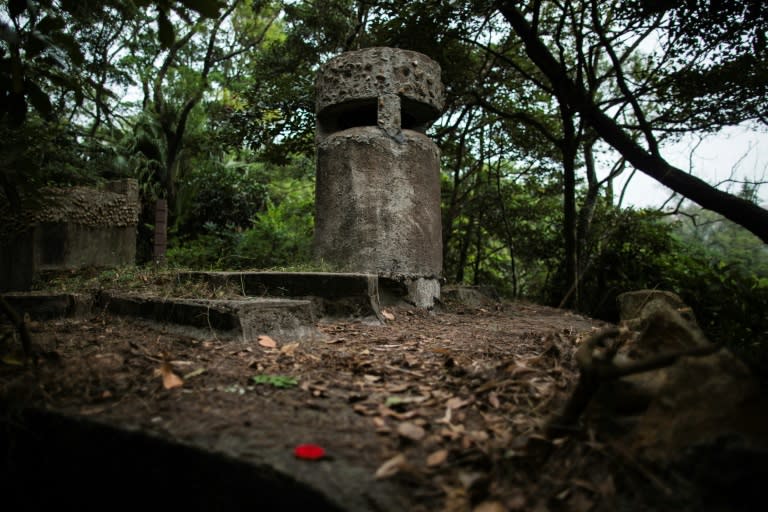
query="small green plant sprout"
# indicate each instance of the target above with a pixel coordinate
(277, 381)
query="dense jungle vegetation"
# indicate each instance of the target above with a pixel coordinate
(209, 104)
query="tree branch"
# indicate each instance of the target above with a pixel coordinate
(741, 211)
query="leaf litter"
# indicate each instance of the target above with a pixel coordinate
(449, 404)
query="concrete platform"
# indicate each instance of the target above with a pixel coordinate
(240, 319)
(56, 460)
(280, 304)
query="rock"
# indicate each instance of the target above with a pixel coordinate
(470, 295)
(702, 415)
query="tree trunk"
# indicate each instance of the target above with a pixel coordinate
(587, 210)
(464, 246)
(161, 230)
(740, 211)
(569, 149)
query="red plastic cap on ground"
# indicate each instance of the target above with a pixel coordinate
(309, 452)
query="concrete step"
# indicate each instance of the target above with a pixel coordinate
(237, 319)
(46, 305)
(332, 294)
(284, 305)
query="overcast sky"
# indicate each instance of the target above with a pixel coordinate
(737, 151)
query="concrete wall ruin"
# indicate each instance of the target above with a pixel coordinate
(77, 227)
(378, 174)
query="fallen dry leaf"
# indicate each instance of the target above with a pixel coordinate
(194, 373)
(267, 342)
(385, 411)
(446, 419)
(435, 459)
(363, 409)
(399, 388)
(14, 358)
(404, 399)
(607, 487)
(411, 431)
(490, 506)
(386, 314)
(457, 402)
(580, 502)
(412, 361)
(381, 425)
(493, 399)
(289, 349)
(470, 478)
(478, 436)
(391, 467)
(170, 379)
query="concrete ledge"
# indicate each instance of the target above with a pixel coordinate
(243, 319)
(45, 305)
(51, 455)
(333, 294)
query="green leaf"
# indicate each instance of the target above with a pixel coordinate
(36, 44)
(278, 381)
(16, 7)
(8, 34)
(38, 98)
(68, 43)
(165, 30)
(50, 24)
(70, 6)
(17, 109)
(207, 8)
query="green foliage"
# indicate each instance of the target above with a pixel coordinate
(40, 153)
(210, 250)
(629, 250)
(719, 239)
(282, 234)
(639, 249)
(40, 52)
(730, 303)
(222, 194)
(247, 216)
(504, 232)
(717, 73)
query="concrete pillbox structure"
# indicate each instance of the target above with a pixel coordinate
(73, 228)
(378, 174)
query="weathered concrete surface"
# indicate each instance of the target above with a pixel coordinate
(399, 290)
(377, 199)
(378, 203)
(54, 454)
(332, 294)
(244, 319)
(44, 305)
(77, 227)
(353, 86)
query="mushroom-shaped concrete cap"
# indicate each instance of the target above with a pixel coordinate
(363, 76)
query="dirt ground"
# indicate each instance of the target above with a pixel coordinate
(446, 407)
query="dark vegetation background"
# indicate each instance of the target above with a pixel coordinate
(209, 104)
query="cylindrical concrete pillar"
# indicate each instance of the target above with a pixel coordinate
(378, 174)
